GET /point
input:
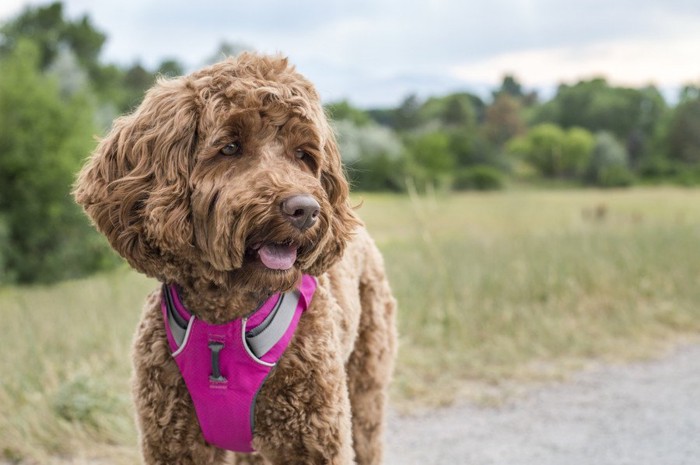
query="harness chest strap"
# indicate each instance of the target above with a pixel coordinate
(224, 366)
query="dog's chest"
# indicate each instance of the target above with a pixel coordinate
(225, 366)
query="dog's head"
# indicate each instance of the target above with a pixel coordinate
(231, 174)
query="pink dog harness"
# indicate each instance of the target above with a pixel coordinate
(224, 366)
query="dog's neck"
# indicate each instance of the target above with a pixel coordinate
(216, 304)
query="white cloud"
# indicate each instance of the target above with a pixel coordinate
(663, 62)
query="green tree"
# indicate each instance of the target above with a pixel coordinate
(577, 149)
(632, 115)
(430, 161)
(343, 110)
(683, 139)
(509, 86)
(44, 135)
(555, 152)
(470, 148)
(689, 92)
(503, 120)
(57, 37)
(408, 115)
(542, 148)
(372, 155)
(136, 81)
(51, 31)
(170, 68)
(609, 166)
(455, 111)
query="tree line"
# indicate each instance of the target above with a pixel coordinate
(56, 95)
(589, 133)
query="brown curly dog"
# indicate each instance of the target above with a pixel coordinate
(227, 183)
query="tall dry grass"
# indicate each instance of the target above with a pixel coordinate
(528, 285)
(64, 373)
(492, 288)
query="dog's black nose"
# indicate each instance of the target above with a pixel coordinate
(301, 210)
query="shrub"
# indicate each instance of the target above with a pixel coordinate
(372, 155)
(84, 400)
(554, 152)
(479, 177)
(429, 160)
(608, 166)
(379, 172)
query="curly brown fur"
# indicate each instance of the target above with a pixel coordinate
(179, 209)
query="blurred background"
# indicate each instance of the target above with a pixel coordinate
(532, 164)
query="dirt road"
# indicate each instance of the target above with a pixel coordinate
(645, 413)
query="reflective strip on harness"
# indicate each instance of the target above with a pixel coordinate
(268, 333)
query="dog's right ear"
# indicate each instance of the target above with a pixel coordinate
(135, 185)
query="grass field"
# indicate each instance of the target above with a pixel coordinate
(494, 289)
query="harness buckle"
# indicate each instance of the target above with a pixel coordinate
(215, 377)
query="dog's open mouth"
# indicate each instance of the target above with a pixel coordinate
(277, 256)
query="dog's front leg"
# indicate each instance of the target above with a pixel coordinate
(308, 422)
(169, 431)
(302, 415)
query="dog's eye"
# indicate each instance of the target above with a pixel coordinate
(306, 158)
(234, 148)
(302, 155)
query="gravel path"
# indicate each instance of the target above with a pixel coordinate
(639, 414)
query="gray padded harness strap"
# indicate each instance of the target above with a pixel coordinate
(178, 325)
(270, 331)
(260, 339)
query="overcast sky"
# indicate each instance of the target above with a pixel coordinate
(375, 52)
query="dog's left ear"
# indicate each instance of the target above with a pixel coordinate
(343, 220)
(135, 185)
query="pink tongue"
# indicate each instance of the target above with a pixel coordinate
(278, 257)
